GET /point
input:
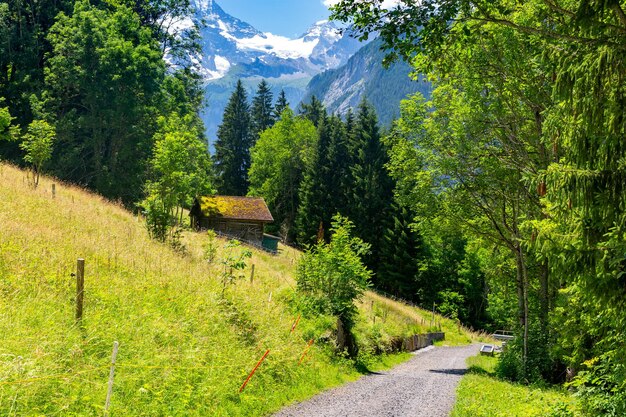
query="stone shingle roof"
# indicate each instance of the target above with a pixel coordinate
(235, 208)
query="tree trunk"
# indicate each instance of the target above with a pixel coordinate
(544, 294)
(345, 338)
(522, 298)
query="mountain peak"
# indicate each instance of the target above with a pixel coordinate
(205, 6)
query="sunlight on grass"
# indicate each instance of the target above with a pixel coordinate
(184, 349)
(481, 394)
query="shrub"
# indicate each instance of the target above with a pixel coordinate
(332, 276)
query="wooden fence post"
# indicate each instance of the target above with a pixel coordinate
(54, 190)
(107, 403)
(80, 287)
(252, 275)
(432, 321)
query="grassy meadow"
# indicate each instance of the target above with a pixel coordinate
(481, 394)
(184, 348)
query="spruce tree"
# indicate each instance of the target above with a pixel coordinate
(281, 105)
(401, 250)
(314, 110)
(371, 186)
(262, 113)
(324, 188)
(232, 148)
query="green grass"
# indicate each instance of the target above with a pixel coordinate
(481, 394)
(184, 348)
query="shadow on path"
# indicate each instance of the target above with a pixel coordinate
(449, 371)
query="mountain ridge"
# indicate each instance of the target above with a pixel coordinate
(364, 75)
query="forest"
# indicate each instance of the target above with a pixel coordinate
(499, 200)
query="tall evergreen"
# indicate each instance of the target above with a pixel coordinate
(371, 186)
(401, 250)
(314, 110)
(324, 188)
(281, 105)
(262, 112)
(232, 148)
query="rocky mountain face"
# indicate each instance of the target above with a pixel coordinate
(364, 76)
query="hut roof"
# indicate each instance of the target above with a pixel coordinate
(235, 208)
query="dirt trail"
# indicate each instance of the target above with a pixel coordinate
(422, 386)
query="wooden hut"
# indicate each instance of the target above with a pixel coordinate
(243, 218)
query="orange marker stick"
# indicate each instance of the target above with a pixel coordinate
(308, 346)
(254, 370)
(295, 323)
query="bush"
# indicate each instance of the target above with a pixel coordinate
(602, 385)
(540, 361)
(332, 276)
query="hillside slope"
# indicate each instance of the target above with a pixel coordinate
(184, 348)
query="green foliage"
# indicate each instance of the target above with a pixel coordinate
(232, 148)
(96, 52)
(450, 304)
(262, 111)
(281, 105)
(158, 217)
(371, 188)
(530, 97)
(313, 110)
(276, 171)
(326, 182)
(210, 246)
(402, 252)
(331, 277)
(234, 262)
(8, 131)
(23, 29)
(37, 142)
(601, 385)
(180, 162)
(98, 71)
(181, 169)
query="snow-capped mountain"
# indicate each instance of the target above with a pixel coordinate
(233, 49)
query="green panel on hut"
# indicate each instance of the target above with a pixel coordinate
(270, 243)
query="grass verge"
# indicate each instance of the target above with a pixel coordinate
(481, 394)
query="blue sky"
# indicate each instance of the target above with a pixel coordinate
(282, 17)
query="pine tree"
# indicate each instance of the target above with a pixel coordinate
(232, 148)
(401, 250)
(371, 187)
(262, 110)
(324, 188)
(281, 105)
(314, 110)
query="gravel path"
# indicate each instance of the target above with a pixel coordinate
(423, 386)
